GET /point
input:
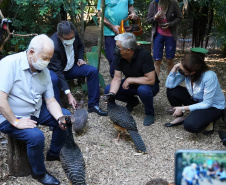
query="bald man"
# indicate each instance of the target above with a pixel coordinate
(25, 83)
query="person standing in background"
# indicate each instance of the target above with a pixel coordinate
(115, 11)
(164, 15)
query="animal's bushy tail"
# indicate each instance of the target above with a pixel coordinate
(138, 141)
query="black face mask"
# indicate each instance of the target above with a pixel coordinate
(181, 72)
(117, 51)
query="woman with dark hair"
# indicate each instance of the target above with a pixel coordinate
(202, 95)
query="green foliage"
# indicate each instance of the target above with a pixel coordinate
(220, 24)
(34, 16)
(141, 8)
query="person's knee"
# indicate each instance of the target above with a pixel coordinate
(158, 62)
(36, 139)
(144, 91)
(66, 112)
(107, 89)
(172, 92)
(93, 70)
(169, 91)
(191, 127)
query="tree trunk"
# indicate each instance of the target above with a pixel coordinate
(210, 27)
(82, 23)
(17, 158)
(101, 26)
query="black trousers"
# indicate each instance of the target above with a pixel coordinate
(197, 120)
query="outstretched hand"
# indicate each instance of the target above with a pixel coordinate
(177, 111)
(71, 100)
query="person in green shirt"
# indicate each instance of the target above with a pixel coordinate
(115, 11)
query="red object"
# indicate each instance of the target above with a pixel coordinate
(4, 26)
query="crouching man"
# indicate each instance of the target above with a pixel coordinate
(25, 83)
(140, 76)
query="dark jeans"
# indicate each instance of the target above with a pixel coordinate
(34, 139)
(87, 71)
(197, 120)
(145, 92)
(109, 52)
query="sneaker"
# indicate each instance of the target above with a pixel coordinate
(148, 120)
(131, 105)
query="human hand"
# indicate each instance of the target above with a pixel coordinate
(133, 16)
(177, 111)
(175, 68)
(81, 62)
(71, 100)
(158, 15)
(165, 26)
(125, 84)
(62, 123)
(115, 29)
(24, 123)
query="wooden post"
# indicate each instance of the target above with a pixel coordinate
(17, 158)
(101, 27)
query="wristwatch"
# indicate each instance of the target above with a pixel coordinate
(67, 91)
(183, 110)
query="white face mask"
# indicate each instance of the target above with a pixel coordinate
(68, 42)
(40, 64)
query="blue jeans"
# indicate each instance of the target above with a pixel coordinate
(75, 72)
(158, 45)
(189, 182)
(145, 92)
(34, 138)
(109, 52)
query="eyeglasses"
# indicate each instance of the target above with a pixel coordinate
(118, 48)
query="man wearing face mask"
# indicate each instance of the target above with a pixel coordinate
(140, 77)
(67, 63)
(25, 83)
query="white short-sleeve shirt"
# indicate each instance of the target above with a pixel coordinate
(24, 88)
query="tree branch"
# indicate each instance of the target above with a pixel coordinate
(10, 34)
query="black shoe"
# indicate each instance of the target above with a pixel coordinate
(52, 157)
(222, 136)
(131, 105)
(172, 125)
(209, 132)
(46, 179)
(98, 111)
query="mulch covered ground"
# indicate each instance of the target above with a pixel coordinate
(110, 162)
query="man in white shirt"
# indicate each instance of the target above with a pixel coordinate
(27, 99)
